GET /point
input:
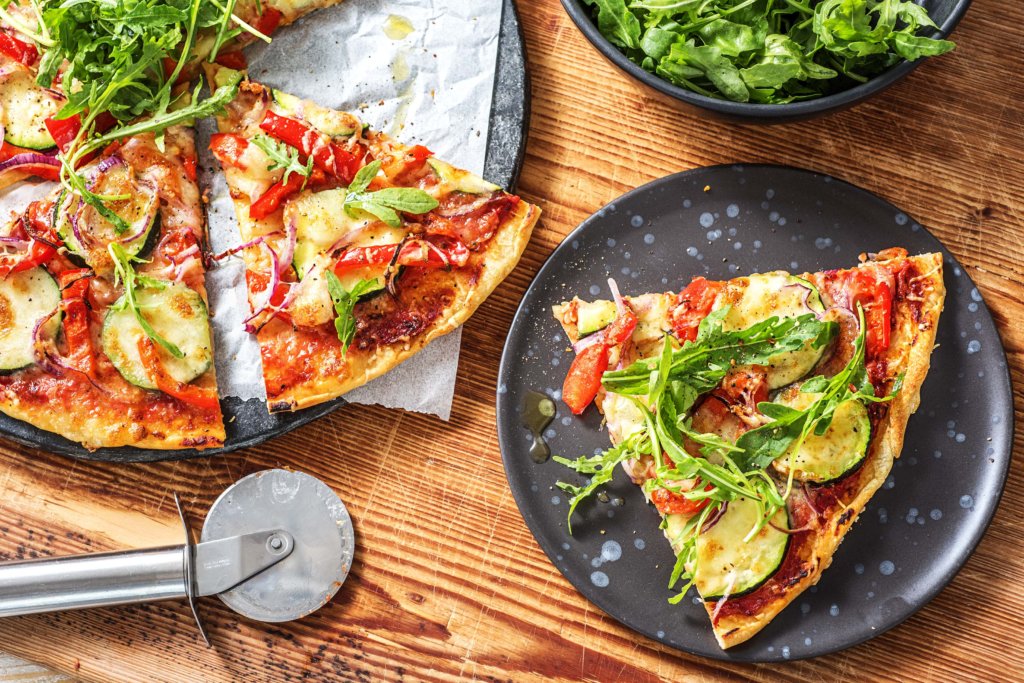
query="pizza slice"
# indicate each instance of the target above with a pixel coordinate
(359, 250)
(105, 337)
(759, 415)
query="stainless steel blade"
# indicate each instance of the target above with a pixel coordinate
(324, 542)
(223, 564)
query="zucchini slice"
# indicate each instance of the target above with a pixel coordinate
(784, 296)
(334, 123)
(592, 316)
(456, 180)
(320, 221)
(25, 299)
(178, 314)
(87, 234)
(24, 108)
(839, 450)
(728, 565)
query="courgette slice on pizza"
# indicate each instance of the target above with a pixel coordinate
(105, 335)
(359, 250)
(27, 149)
(759, 415)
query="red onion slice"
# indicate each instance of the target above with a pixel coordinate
(588, 341)
(28, 159)
(713, 518)
(290, 237)
(149, 216)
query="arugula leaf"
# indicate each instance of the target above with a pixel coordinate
(283, 156)
(385, 203)
(344, 304)
(602, 466)
(769, 51)
(124, 273)
(617, 23)
(760, 446)
(703, 363)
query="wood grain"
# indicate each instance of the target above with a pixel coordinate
(447, 581)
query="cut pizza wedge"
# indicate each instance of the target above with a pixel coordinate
(359, 250)
(105, 336)
(759, 415)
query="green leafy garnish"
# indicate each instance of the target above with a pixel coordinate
(282, 156)
(385, 204)
(665, 389)
(790, 427)
(768, 51)
(123, 59)
(344, 304)
(671, 384)
(701, 364)
(124, 273)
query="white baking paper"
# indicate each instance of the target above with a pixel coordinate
(430, 85)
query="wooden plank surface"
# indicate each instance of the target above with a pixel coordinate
(447, 581)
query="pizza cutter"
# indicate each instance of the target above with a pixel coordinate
(276, 546)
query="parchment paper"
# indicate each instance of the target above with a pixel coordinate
(431, 85)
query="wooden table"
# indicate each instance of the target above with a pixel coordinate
(447, 581)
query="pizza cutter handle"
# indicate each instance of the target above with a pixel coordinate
(94, 580)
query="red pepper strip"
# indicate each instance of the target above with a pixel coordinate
(431, 252)
(233, 60)
(74, 286)
(328, 156)
(41, 249)
(38, 253)
(18, 50)
(673, 503)
(621, 328)
(187, 393)
(875, 296)
(228, 148)
(584, 378)
(190, 167)
(268, 21)
(64, 131)
(419, 154)
(692, 306)
(271, 200)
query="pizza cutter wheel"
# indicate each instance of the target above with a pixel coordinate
(276, 546)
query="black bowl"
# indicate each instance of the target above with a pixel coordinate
(945, 13)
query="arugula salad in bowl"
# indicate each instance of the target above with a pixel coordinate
(731, 56)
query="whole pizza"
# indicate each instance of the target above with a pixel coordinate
(359, 250)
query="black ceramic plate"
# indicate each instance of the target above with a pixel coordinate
(920, 527)
(248, 422)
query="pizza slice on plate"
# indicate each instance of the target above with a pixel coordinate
(759, 415)
(104, 331)
(359, 250)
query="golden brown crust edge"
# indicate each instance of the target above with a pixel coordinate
(108, 427)
(919, 339)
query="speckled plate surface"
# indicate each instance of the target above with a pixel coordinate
(920, 527)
